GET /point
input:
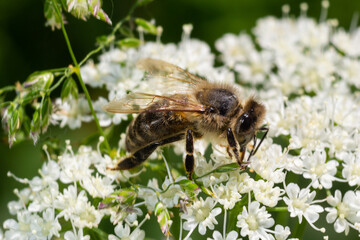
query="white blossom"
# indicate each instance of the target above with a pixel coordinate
(70, 235)
(254, 222)
(123, 232)
(201, 213)
(318, 169)
(233, 235)
(344, 211)
(301, 204)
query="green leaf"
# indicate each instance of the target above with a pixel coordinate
(39, 81)
(227, 168)
(147, 26)
(69, 88)
(35, 122)
(129, 42)
(207, 191)
(13, 119)
(45, 112)
(126, 31)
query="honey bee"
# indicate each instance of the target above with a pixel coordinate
(202, 109)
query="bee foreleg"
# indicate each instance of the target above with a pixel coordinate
(234, 147)
(189, 159)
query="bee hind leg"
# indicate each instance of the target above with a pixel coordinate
(142, 154)
(189, 159)
(137, 157)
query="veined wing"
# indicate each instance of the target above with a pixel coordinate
(159, 68)
(144, 102)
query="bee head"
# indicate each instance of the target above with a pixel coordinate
(249, 121)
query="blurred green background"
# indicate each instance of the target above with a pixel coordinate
(26, 45)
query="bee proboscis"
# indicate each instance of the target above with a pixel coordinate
(200, 108)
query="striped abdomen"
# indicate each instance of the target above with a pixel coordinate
(150, 127)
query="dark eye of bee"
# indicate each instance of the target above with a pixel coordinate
(245, 122)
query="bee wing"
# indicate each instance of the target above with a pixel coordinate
(159, 68)
(141, 102)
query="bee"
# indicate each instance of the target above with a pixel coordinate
(198, 109)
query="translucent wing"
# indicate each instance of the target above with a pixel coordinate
(144, 102)
(159, 68)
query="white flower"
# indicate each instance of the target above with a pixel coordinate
(254, 222)
(149, 195)
(282, 233)
(76, 207)
(201, 213)
(24, 198)
(72, 112)
(50, 224)
(243, 181)
(123, 232)
(32, 226)
(351, 170)
(266, 193)
(69, 235)
(202, 167)
(171, 196)
(300, 204)
(233, 235)
(344, 212)
(269, 163)
(317, 169)
(347, 42)
(44, 198)
(75, 167)
(234, 48)
(91, 75)
(98, 186)
(227, 195)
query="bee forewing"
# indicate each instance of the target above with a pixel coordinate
(140, 102)
(156, 67)
(167, 70)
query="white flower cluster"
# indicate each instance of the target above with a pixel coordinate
(61, 193)
(307, 75)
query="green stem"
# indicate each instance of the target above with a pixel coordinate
(278, 209)
(300, 229)
(90, 54)
(77, 72)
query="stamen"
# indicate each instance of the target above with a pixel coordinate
(303, 9)
(101, 140)
(46, 152)
(159, 30)
(141, 33)
(168, 169)
(354, 22)
(187, 29)
(285, 10)
(21, 180)
(324, 10)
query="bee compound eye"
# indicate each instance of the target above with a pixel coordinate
(245, 122)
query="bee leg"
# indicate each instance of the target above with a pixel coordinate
(256, 146)
(136, 158)
(142, 154)
(189, 159)
(228, 151)
(233, 146)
